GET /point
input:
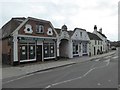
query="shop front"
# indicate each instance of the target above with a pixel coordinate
(76, 48)
(36, 49)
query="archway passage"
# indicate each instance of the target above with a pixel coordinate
(64, 48)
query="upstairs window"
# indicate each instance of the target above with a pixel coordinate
(81, 34)
(95, 42)
(39, 28)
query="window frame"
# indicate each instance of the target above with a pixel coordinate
(38, 27)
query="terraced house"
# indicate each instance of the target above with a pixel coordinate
(32, 39)
(28, 39)
(71, 43)
(96, 46)
(103, 37)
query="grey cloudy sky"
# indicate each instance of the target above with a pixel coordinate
(74, 13)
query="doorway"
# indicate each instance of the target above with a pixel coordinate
(39, 52)
(64, 48)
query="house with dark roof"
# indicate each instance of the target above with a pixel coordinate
(28, 39)
(95, 46)
(103, 37)
(71, 43)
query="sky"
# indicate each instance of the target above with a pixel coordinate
(73, 13)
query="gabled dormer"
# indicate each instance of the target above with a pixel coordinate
(80, 34)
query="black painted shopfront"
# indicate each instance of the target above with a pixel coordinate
(30, 50)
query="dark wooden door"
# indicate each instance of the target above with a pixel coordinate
(39, 52)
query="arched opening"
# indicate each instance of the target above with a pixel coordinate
(64, 48)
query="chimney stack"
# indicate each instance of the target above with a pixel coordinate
(100, 30)
(95, 29)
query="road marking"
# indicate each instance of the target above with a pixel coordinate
(108, 61)
(48, 86)
(88, 72)
(25, 76)
(70, 79)
(62, 82)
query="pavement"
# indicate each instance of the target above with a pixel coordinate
(25, 69)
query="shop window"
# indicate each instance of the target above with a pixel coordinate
(27, 51)
(39, 28)
(31, 51)
(75, 48)
(84, 47)
(48, 50)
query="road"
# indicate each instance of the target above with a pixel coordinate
(97, 73)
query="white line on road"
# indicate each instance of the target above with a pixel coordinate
(88, 72)
(48, 86)
(70, 79)
(25, 76)
(107, 61)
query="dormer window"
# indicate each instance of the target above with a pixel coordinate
(81, 34)
(39, 28)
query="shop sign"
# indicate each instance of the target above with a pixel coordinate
(34, 39)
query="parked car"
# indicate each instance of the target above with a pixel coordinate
(113, 48)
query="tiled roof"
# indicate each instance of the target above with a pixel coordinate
(10, 26)
(70, 33)
(93, 36)
(102, 34)
(80, 29)
(41, 20)
(58, 30)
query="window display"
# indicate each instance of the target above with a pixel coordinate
(48, 50)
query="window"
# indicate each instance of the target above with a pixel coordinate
(75, 48)
(95, 42)
(39, 28)
(48, 50)
(81, 34)
(27, 51)
(84, 47)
